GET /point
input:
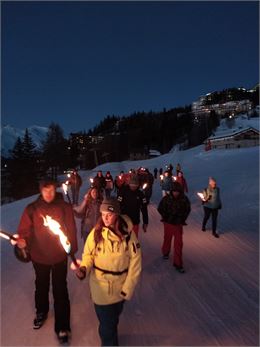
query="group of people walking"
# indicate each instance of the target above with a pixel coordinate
(110, 227)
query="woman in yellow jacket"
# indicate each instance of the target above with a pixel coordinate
(112, 258)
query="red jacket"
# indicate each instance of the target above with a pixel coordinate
(44, 246)
(183, 182)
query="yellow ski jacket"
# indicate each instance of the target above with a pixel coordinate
(114, 266)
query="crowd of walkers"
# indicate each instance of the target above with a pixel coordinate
(110, 212)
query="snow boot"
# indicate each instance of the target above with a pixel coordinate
(39, 320)
(215, 234)
(180, 269)
(203, 228)
(63, 337)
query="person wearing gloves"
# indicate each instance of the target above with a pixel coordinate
(112, 258)
(211, 205)
(48, 257)
(174, 209)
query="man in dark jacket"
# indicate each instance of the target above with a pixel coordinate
(47, 254)
(132, 201)
(75, 182)
(99, 181)
(174, 209)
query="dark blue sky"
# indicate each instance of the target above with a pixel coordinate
(76, 62)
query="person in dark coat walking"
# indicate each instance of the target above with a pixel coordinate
(99, 181)
(132, 201)
(47, 254)
(109, 184)
(174, 209)
(180, 179)
(75, 183)
(211, 205)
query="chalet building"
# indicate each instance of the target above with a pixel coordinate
(247, 137)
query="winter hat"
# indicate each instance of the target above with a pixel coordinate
(110, 205)
(134, 181)
(177, 187)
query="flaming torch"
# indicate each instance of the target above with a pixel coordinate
(65, 190)
(55, 228)
(161, 177)
(25, 257)
(144, 186)
(174, 178)
(201, 196)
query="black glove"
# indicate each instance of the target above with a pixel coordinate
(81, 272)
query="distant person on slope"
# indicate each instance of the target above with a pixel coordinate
(75, 183)
(109, 184)
(180, 179)
(166, 183)
(174, 209)
(211, 205)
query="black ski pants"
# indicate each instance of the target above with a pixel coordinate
(108, 316)
(58, 274)
(207, 212)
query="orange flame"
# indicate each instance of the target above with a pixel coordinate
(55, 227)
(145, 185)
(201, 196)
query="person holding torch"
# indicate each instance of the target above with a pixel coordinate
(211, 205)
(47, 254)
(112, 258)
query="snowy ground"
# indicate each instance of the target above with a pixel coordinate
(215, 303)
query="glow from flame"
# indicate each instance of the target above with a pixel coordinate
(120, 177)
(54, 226)
(175, 178)
(68, 175)
(91, 180)
(161, 177)
(145, 185)
(4, 236)
(201, 196)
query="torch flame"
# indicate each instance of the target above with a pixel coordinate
(68, 175)
(55, 227)
(174, 178)
(161, 177)
(120, 177)
(91, 180)
(4, 236)
(201, 196)
(145, 185)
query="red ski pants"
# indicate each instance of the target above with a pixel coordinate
(170, 231)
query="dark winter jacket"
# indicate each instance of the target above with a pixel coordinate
(75, 180)
(44, 246)
(99, 182)
(167, 183)
(109, 182)
(131, 203)
(174, 210)
(182, 181)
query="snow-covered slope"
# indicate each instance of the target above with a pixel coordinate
(215, 303)
(10, 134)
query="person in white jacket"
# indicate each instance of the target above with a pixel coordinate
(112, 258)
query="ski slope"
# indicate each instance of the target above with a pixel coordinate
(215, 303)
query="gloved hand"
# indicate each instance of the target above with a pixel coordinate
(81, 272)
(145, 228)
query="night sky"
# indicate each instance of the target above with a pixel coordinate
(76, 62)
